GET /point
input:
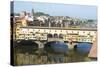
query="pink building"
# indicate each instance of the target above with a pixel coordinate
(93, 51)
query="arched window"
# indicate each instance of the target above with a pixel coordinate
(55, 35)
(60, 35)
(49, 35)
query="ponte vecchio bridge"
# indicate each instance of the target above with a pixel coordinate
(47, 34)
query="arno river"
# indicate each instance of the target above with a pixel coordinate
(54, 52)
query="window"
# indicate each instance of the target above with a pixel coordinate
(55, 35)
(49, 35)
(33, 34)
(60, 35)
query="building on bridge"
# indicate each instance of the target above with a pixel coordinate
(42, 33)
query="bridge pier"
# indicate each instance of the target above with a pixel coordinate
(71, 45)
(40, 44)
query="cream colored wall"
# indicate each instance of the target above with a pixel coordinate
(26, 31)
(65, 32)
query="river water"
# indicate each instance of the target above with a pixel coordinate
(52, 53)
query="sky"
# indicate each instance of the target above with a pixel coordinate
(78, 11)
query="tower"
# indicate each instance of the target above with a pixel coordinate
(23, 14)
(33, 14)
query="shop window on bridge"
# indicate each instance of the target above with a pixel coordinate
(17, 29)
(89, 33)
(33, 34)
(42, 34)
(56, 35)
(60, 35)
(50, 36)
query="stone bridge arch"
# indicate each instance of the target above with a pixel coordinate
(26, 46)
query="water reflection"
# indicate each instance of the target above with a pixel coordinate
(53, 52)
(58, 47)
(84, 47)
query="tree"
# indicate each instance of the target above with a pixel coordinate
(40, 14)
